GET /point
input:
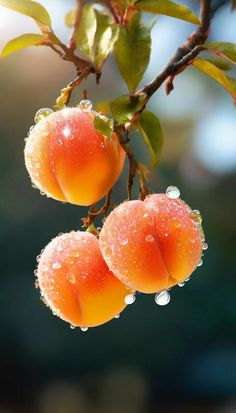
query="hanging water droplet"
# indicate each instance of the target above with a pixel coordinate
(196, 216)
(56, 265)
(42, 113)
(84, 329)
(200, 263)
(117, 316)
(85, 105)
(204, 246)
(72, 327)
(149, 238)
(130, 299)
(187, 279)
(172, 192)
(162, 298)
(182, 284)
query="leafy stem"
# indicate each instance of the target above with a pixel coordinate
(183, 55)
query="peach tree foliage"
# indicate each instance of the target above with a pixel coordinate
(118, 28)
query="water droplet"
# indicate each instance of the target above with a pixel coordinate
(149, 238)
(187, 279)
(42, 113)
(196, 216)
(59, 248)
(200, 263)
(205, 246)
(124, 241)
(72, 327)
(56, 265)
(117, 316)
(172, 192)
(130, 299)
(182, 284)
(84, 329)
(85, 105)
(162, 298)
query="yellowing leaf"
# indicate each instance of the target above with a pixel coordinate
(85, 33)
(29, 8)
(132, 51)
(22, 41)
(169, 8)
(226, 49)
(150, 128)
(69, 18)
(215, 73)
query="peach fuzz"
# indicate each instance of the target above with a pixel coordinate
(152, 245)
(68, 160)
(76, 283)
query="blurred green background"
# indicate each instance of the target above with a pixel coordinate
(175, 359)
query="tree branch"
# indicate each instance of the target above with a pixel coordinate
(183, 55)
(78, 14)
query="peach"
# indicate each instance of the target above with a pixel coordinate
(68, 160)
(152, 245)
(76, 283)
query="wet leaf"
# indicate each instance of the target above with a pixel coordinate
(132, 51)
(215, 73)
(169, 8)
(150, 128)
(29, 8)
(124, 108)
(104, 125)
(23, 41)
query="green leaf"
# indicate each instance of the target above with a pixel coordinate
(169, 8)
(220, 62)
(29, 8)
(69, 18)
(211, 70)
(132, 51)
(226, 49)
(124, 107)
(22, 41)
(105, 38)
(104, 125)
(104, 107)
(85, 33)
(150, 128)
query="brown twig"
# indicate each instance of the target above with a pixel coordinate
(183, 55)
(93, 213)
(78, 14)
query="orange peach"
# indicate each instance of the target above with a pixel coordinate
(69, 160)
(76, 283)
(152, 245)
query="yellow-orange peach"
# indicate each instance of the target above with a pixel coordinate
(152, 245)
(76, 283)
(69, 160)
